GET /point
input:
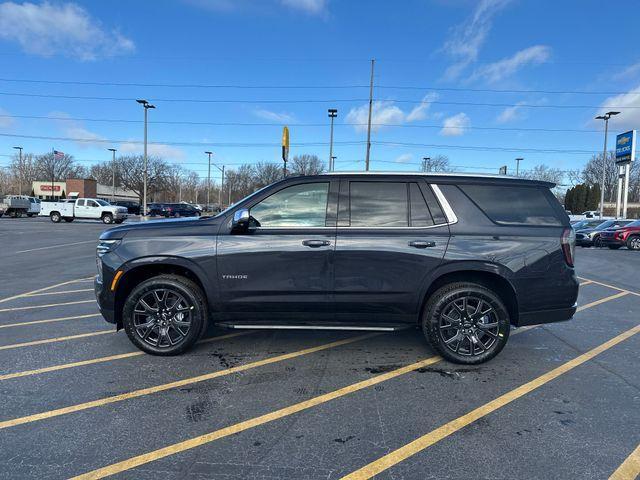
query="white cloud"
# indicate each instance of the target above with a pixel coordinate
(387, 112)
(629, 72)
(466, 39)
(281, 117)
(494, 72)
(404, 158)
(511, 114)
(5, 122)
(167, 152)
(629, 117)
(74, 129)
(455, 126)
(49, 29)
(312, 7)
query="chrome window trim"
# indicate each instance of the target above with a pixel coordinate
(444, 203)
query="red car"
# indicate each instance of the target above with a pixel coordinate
(628, 235)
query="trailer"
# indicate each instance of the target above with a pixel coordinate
(14, 206)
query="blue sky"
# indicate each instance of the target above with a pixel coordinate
(456, 53)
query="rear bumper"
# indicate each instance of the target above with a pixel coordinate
(546, 316)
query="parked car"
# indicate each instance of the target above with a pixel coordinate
(463, 257)
(1, 210)
(585, 223)
(14, 205)
(90, 208)
(34, 206)
(179, 210)
(586, 237)
(628, 236)
(154, 209)
(133, 208)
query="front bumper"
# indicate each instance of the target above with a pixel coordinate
(105, 300)
(120, 216)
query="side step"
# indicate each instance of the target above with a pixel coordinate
(309, 326)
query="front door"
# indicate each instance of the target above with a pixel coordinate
(281, 270)
(391, 235)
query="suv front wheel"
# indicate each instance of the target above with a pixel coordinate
(165, 315)
(466, 323)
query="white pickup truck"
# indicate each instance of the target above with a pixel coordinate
(90, 208)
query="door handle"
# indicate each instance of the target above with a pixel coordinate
(421, 244)
(316, 243)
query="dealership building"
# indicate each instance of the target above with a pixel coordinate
(80, 188)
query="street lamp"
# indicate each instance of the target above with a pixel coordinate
(146, 106)
(221, 187)
(518, 160)
(606, 118)
(333, 113)
(19, 169)
(113, 174)
(209, 179)
(425, 160)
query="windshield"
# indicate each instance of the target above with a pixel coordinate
(239, 201)
(102, 203)
(635, 223)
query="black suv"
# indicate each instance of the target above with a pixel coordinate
(462, 257)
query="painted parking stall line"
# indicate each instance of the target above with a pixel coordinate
(55, 246)
(630, 468)
(178, 383)
(51, 287)
(433, 437)
(50, 305)
(54, 340)
(64, 292)
(50, 320)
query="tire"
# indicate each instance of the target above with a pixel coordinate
(118, 222)
(55, 217)
(633, 242)
(157, 339)
(460, 345)
(597, 242)
(614, 247)
(29, 215)
(107, 218)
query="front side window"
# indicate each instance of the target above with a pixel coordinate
(91, 203)
(378, 204)
(302, 205)
(80, 203)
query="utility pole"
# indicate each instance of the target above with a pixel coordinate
(606, 118)
(518, 160)
(209, 180)
(333, 113)
(425, 161)
(146, 106)
(20, 169)
(333, 162)
(366, 165)
(221, 185)
(113, 174)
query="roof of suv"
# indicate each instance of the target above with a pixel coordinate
(484, 178)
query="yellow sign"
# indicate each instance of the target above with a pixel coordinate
(285, 143)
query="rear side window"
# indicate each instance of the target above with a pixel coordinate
(420, 214)
(513, 205)
(378, 204)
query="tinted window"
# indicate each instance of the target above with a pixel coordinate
(91, 203)
(378, 204)
(434, 206)
(513, 205)
(420, 214)
(80, 203)
(297, 206)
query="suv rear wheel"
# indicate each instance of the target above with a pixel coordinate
(165, 315)
(466, 323)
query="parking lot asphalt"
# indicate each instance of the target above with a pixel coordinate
(77, 399)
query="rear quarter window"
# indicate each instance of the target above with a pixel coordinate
(514, 205)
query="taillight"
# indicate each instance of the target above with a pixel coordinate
(568, 244)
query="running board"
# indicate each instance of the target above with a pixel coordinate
(258, 326)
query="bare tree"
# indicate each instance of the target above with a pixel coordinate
(131, 168)
(306, 164)
(24, 173)
(57, 168)
(545, 173)
(439, 163)
(266, 173)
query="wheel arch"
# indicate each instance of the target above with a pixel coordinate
(491, 276)
(149, 267)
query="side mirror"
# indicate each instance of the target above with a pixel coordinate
(240, 222)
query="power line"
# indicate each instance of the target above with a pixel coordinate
(279, 125)
(303, 101)
(486, 148)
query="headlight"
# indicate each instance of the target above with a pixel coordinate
(106, 246)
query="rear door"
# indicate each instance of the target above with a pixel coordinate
(391, 234)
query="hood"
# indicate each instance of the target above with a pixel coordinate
(164, 228)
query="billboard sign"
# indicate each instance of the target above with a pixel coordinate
(626, 147)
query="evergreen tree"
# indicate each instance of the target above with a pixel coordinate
(593, 200)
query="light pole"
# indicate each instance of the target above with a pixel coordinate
(113, 174)
(146, 106)
(333, 162)
(333, 113)
(606, 118)
(221, 186)
(209, 179)
(518, 160)
(19, 169)
(425, 160)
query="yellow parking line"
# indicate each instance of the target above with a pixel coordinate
(60, 293)
(31, 307)
(612, 286)
(602, 300)
(421, 443)
(269, 417)
(51, 287)
(49, 320)
(630, 468)
(179, 383)
(53, 340)
(586, 282)
(110, 358)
